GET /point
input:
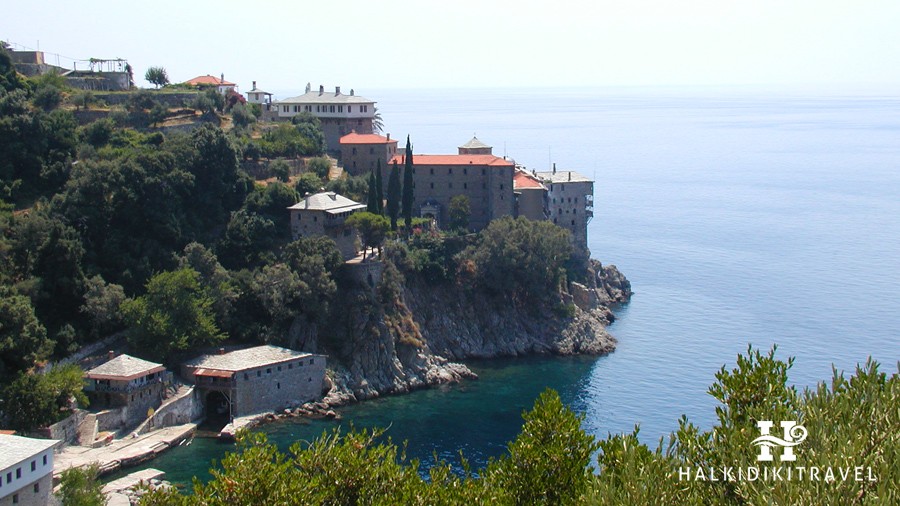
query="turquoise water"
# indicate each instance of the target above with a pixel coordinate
(740, 216)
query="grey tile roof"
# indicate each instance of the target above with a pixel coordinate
(124, 366)
(248, 358)
(474, 144)
(313, 97)
(15, 449)
(563, 176)
(327, 201)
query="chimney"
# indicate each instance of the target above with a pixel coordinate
(389, 136)
(308, 87)
(554, 167)
(254, 85)
(570, 175)
(321, 89)
(222, 80)
(110, 355)
(221, 351)
(351, 92)
(337, 90)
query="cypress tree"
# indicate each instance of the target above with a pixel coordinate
(379, 194)
(371, 202)
(393, 196)
(408, 186)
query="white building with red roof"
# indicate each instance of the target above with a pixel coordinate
(340, 113)
(208, 81)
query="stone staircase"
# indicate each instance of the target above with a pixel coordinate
(87, 430)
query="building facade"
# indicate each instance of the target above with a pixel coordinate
(129, 383)
(360, 153)
(324, 214)
(338, 112)
(256, 380)
(258, 96)
(532, 197)
(571, 202)
(26, 470)
(486, 180)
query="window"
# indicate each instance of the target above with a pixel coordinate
(501, 186)
(573, 222)
(371, 151)
(33, 465)
(18, 472)
(465, 171)
(45, 462)
(291, 365)
(354, 151)
(432, 186)
(331, 109)
(284, 108)
(431, 171)
(15, 498)
(483, 171)
(246, 377)
(451, 171)
(465, 186)
(340, 108)
(279, 368)
(349, 108)
(8, 477)
(258, 374)
(268, 370)
(310, 361)
(37, 488)
(278, 385)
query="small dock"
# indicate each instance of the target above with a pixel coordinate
(125, 452)
(133, 480)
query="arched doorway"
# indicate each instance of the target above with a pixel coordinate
(218, 410)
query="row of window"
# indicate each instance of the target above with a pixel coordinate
(322, 108)
(560, 211)
(450, 171)
(562, 200)
(15, 497)
(290, 365)
(554, 221)
(9, 475)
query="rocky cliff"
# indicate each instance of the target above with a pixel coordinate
(394, 343)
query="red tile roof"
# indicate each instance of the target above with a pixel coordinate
(208, 79)
(454, 160)
(355, 138)
(525, 180)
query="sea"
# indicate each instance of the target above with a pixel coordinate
(741, 215)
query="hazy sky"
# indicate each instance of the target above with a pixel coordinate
(465, 43)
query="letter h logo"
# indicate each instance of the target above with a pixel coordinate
(793, 435)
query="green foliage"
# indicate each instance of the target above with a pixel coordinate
(281, 170)
(175, 314)
(209, 102)
(82, 99)
(242, 115)
(310, 128)
(48, 90)
(407, 198)
(393, 196)
(80, 486)
(379, 190)
(460, 210)
(97, 133)
(308, 183)
(319, 166)
(23, 339)
(372, 195)
(291, 141)
(372, 228)
(9, 79)
(102, 303)
(157, 76)
(353, 187)
(37, 400)
(520, 257)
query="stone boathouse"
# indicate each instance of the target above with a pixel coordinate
(255, 380)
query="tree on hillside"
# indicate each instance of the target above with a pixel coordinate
(379, 190)
(81, 486)
(175, 314)
(393, 196)
(157, 76)
(408, 186)
(9, 79)
(372, 229)
(460, 210)
(372, 195)
(35, 400)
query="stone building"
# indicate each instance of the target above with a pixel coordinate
(571, 203)
(324, 214)
(360, 153)
(127, 383)
(256, 380)
(531, 195)
(486, 180)
(26, 470)
(208, 81)
(339, 113)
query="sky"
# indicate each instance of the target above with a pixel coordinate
(475, 44)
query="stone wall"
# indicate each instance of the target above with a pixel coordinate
(279, 386)
(67, 429)
(165, 98)
(185, 409)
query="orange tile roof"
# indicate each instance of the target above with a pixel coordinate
(525, 180)
(454, 160)
(355, 138)
(208, 79)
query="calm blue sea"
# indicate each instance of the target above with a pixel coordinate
(740, 216)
